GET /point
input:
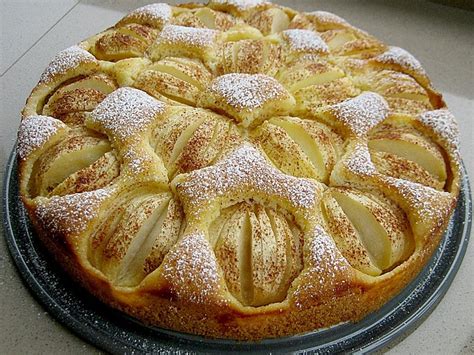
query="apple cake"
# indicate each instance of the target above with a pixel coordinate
(238, 169)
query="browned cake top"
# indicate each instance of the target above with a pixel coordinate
(241, 157)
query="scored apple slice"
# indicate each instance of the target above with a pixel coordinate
(208, 141)
(73, 154)
(268, 260)
(283, 151)
(400, 105)
(258, 251)
(232, 250)
(317, 141)
(170, 231)
(380, 226)
(205, 17)
(347, 238)
(409, 144)
(353, 42)
(110, 217)
(95, 176)
(270, 21)
(289, 238)
(155, 237)
(192, 139)
(138, 242)
(128, 41)
(250, 56)
(178, 80)
(133, 239)
(312, 98)
(394, 84)
(315, 82)
(215, 19)
(398, 167)
(81, 95)
(181, 142)
(306, 71)
(337, 38)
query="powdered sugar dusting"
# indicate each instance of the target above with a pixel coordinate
(305, 40)
(326, 18)
(35, 131)
(325, 265)
(198, 37)
(242, 175)
(126, 112)
(399, 56)
(71, 213)
(361, 113)
(137, 160)
(192, 270)
(323, 249)
(443, 123)
(68, 58)
(246, 91)
(426, 202)
(240, 4)
(153, 14)
(359, 162)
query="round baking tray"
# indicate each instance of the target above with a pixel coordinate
(115, 332)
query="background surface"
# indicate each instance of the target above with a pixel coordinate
(442, 38)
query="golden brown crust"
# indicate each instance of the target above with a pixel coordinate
(238, 169)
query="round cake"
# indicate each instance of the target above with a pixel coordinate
(238, 169)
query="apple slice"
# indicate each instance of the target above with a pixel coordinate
(267, 258)
(270, 21)
(192, 139)
(171, 135)
(406, 106)
(316, 140)
(292, 237)
(170, 231)
(258, 251)
(240, 32)
(112, 217)
(232, 251)
(335, 39)
(380, 229)
(286, 154)
(251, 56)
(177, 79)
(379, 226)
(130, 271)
(205, 18)
(95, 176)
(347, 238)
(124, 252)
(204, 146)
(81, 95)
(215, 19)
(410, 145)
(307, 71)
(71, 155)
(155, 237)
(127, 41)
(398, 167)
(395, 84)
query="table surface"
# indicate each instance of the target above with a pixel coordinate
(442, 38)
